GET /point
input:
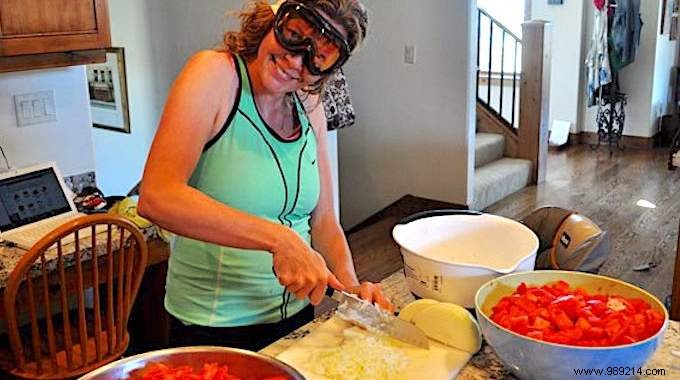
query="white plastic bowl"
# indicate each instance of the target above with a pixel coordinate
(532, 359)
(449, 254)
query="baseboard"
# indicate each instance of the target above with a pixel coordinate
(633, 142)
(402, 207)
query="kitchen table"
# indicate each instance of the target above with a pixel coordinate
(485, 364)
(148, 324)
(10, 256)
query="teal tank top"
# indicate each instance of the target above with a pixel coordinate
(249, 167)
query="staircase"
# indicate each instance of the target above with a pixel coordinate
(512, 89)
(496, 176)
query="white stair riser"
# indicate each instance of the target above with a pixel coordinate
(489, 147)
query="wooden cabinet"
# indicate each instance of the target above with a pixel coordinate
(49, 33)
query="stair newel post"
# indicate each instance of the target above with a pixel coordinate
(534, 96)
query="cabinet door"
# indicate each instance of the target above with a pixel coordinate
(48, 26)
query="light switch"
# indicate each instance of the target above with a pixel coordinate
(35, 107)
(38, 109)
(26, 109)
(410, 54)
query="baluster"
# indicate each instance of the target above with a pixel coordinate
(488, 90)
(500, 108)
(120, 281)
(68, 343)
(479, 37)
(35, 330)
(514, 84)
(48, 315)
(95, 290)
(128, 280)
(109, 289)
(20, 353)
(82, 324)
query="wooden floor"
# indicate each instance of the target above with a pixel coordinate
(602, 188)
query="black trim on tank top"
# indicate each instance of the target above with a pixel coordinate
(234, 107)
(278, 164)
(269, 128)
(304, 111)
(299, 168)
(297, 189)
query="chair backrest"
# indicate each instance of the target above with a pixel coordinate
(675, 290)
(47, 292)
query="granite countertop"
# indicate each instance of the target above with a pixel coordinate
(10, 255)
(485, 364)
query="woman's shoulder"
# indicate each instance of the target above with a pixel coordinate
(218, 67)
(216, 58)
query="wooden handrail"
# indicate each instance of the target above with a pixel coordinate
(500, 25)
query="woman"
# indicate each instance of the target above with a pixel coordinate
(239, 170)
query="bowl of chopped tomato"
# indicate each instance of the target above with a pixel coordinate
(196, 363)
(550, 324)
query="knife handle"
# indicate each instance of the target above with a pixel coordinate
(334, 294)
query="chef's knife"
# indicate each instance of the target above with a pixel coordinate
(364, 314)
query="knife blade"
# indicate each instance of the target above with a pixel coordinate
(364, 314)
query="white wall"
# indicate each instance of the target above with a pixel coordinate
(120, 157)
(507, 97)
(509, 12)
(67, 141)
(666, 54)
(567, 36)
(637, 78)
(414, 122)
(158, 37)
(180, 28)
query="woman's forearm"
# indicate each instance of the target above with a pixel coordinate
(186, 211)
(329, 240)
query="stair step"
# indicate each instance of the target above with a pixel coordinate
(498, 179)
(489, 147)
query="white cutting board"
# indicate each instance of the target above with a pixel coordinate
(439, 362)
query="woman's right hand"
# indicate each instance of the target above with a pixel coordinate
(301, 269)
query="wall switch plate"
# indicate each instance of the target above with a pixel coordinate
(410, 54)
(35, 108)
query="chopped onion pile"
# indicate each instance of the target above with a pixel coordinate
(360, 357)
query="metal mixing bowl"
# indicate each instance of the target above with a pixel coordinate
(245, 364)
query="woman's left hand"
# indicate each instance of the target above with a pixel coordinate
(372, 293)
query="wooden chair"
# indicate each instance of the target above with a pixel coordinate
(675, 290)
(47, 291)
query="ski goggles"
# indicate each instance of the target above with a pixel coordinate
(302, 30)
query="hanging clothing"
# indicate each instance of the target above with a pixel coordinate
(597, 61)
(625, 33)
(337, 102)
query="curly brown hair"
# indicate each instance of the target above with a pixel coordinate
(257, 20)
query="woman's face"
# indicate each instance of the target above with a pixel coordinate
(282, 71)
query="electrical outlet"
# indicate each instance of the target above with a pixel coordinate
(35, 108)
(410, 54)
